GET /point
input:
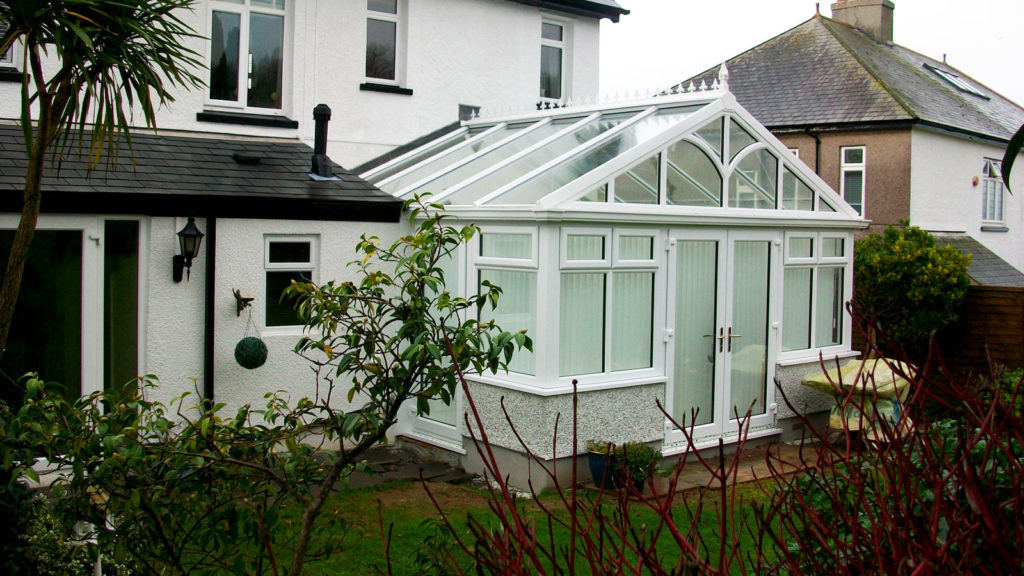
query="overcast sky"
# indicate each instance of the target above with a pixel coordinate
(664, 41)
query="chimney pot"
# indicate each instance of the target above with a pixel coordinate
(872, 17)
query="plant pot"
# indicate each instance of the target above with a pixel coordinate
(604, 469)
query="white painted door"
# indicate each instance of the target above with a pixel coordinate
(720, 358)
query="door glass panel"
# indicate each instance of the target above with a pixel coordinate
(46, 329)
(748, 340)
(121, 305)
(693, 377)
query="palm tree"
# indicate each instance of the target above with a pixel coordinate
(113, 60)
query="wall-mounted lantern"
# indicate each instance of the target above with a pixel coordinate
(189, 239)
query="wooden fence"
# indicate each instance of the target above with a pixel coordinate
(991, 326)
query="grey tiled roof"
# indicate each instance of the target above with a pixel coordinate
(207, 175)
(986, 269)
(824, 72)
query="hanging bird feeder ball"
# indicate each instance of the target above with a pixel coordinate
(250, 352)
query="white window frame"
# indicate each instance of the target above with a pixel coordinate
(243, 8)
(313, 264)
(816, 263)
(993, 194)
(861, 167)
(609, 267)
(398, 18)
(479, 263)
(564, 45)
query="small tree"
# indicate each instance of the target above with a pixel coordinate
(190, 494)
(113, 58)
(907, 285)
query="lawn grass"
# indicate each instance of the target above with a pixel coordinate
(405, 506)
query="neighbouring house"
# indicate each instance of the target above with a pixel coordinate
(101, 301)
(664, 250)
(898, 134)
(390, 69)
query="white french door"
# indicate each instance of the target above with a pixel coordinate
(720, 361)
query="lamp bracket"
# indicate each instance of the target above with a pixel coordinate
(241, 302)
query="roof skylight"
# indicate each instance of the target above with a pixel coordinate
(957, 82)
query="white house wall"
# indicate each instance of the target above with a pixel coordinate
(173, 322)
(240, 258)
(943, 196)
(476, 52)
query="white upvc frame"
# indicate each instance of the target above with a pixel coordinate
(993, 194)
(818, 261)
(861, 167)
(244, 8)
(92, 230)
(420, 151)
(470, 141)
(565, 46)
(612, 264)
(12, 59)
(312, 264)
(723, 423)
(398, 19)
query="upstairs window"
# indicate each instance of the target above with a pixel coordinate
(247, 53)
(553, 43)
(383, 22)
(992, 192)
(287, 258)
(10, 59)
(851, 176)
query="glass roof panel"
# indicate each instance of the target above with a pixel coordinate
(599, 194)
(493, 157)
(421, 154)
(692, 178)
(738, 139)
(639, 184)
(554, 178)
(752, 184)
(437, 164)
(536, 158)
(712, 134)
(795, 194)
(824, 206)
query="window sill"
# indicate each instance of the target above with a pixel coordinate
(386, 88)
(994, 228)
(247, 119)
(814, 358)
(10, 75)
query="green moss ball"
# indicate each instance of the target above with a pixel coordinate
(250, 352)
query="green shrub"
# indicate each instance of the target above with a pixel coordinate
(907, 285)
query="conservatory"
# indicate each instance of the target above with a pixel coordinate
(666, 250)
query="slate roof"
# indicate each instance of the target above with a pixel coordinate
(175, 175)
(986, 269)
(824, 73)
(593, 8)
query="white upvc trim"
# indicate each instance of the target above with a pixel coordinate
(563, 249)
(564, 385)
(801, 357)
(413, 153)
(450, 168)
(569, 129)
(469, 142)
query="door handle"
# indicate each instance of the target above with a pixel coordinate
(720, 337)
(731, 336)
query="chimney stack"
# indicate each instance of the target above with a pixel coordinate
(872, 17)
(321, 165)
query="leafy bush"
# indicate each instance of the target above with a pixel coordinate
(906, 285)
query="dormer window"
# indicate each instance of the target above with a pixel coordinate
(956, 81)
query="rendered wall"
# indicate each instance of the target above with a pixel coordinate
(478, 52)
(945, 198)
(240, 258)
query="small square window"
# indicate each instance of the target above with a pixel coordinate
(800, 247)
(287, 258)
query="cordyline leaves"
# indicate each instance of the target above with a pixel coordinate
(114, 58)
(1010, 156)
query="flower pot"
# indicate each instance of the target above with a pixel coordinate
(604, 469)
